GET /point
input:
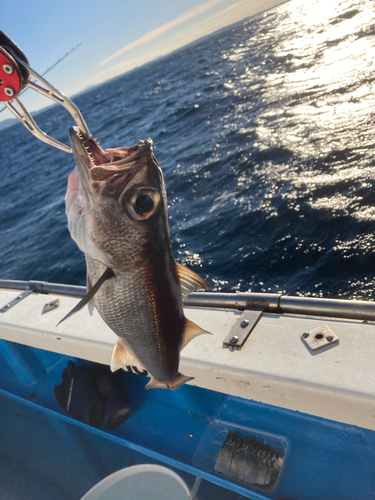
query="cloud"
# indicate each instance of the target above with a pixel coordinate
(118, 69)
(185, 35)
(200, 9)
(233, 14)
(225, 11)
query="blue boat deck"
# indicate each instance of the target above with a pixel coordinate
(47, 454)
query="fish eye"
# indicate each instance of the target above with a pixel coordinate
(144, 203)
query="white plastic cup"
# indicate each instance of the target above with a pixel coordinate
(140, 482)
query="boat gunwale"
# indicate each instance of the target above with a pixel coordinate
(271, 302)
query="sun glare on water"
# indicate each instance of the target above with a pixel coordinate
(303, 110)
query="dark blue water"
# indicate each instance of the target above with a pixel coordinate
(265, 134)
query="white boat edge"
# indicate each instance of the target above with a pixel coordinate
(274, 366)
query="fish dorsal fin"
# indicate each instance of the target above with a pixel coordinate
(108, 273)
(191, 331)
(123, 356)
(190, 281)
(91, 303)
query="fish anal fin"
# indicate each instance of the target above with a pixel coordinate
(122, 355)
(168, 384)
(190, 281)
(191, 331)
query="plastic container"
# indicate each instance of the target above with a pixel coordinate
(251, 458)
(141, 482)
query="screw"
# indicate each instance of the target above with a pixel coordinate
(8, 68)
(305, 335)
(234, 339)
(244, 323)
(329, 338)
(9, 91)
(191, 434)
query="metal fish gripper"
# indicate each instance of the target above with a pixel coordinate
(15, 76)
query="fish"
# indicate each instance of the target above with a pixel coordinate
(116, 206)
(249, 460)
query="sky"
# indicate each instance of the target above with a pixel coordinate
(114, 36)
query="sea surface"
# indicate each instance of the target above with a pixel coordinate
(265, 135)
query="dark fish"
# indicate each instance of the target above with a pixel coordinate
(248, 460)
(227, 451)
(117, 214)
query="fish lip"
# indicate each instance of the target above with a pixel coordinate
(91, 155)
(87, 150)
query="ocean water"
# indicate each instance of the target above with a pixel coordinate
(265, 135)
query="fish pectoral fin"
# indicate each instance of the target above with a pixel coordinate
(123, 356)
(168, 384)
(190, 281)
(91, 303)
(108, 273)
(191, 331)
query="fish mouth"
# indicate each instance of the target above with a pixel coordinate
(95, 159)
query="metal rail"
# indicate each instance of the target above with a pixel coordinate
(44, 287)
(276, 303)
(273, 303)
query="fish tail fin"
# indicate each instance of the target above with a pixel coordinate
(191, 331)
(169, 384)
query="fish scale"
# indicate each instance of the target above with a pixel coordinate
(134, 322)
